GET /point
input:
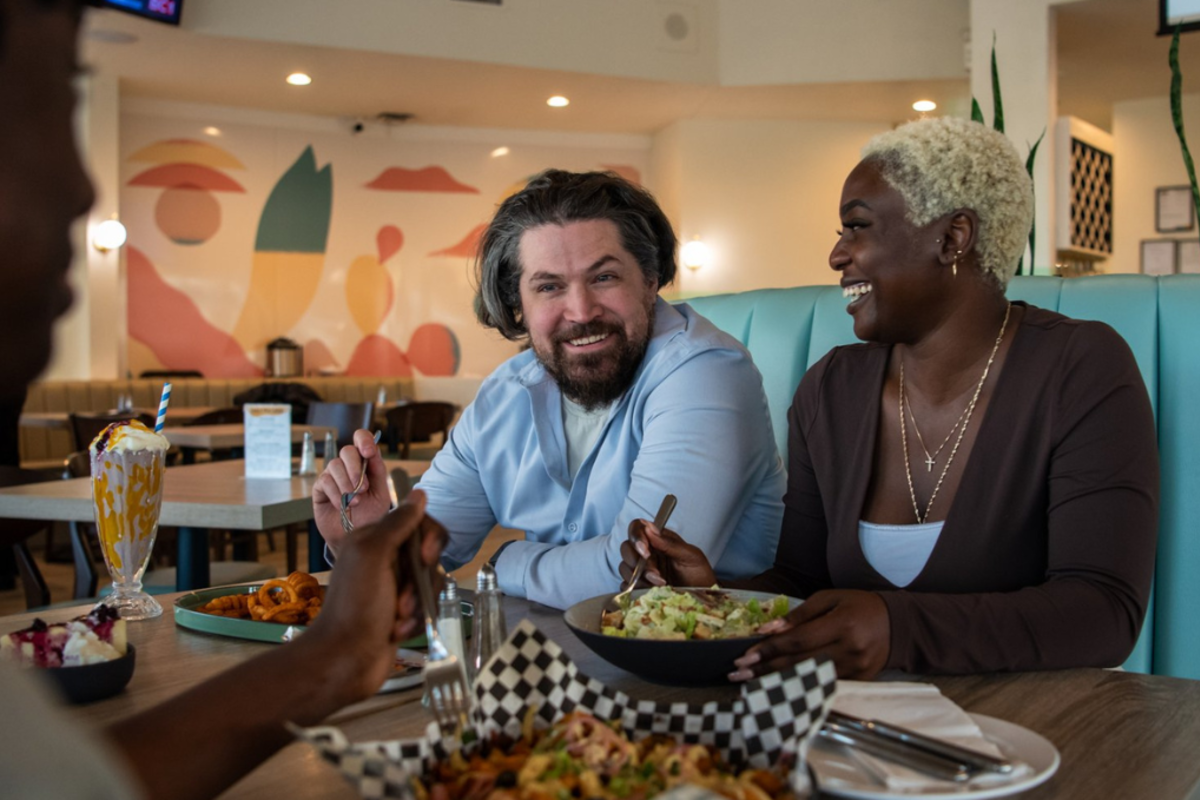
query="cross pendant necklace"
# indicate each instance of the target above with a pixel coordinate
(928, 463)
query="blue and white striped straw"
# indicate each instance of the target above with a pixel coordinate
(162, 408)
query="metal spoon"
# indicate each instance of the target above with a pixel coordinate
(621, 599)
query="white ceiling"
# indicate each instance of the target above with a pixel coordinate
(1107, 52)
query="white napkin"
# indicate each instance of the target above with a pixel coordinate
(920, 707)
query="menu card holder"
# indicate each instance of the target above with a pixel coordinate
(268, 440)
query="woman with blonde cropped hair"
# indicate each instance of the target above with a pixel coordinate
(973, 488)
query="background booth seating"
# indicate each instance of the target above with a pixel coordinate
(788, 330)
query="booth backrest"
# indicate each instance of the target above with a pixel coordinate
(788, 330)
(39, 444)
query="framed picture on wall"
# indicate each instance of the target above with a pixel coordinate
(1189, 256)
(1173, 209)
(1158, 256)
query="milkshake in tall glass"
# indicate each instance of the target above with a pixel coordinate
(128, 460)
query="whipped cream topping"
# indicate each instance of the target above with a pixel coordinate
(129, 435)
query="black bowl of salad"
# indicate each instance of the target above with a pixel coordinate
(679, 636)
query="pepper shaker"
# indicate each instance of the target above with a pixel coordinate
(490, 629)
(330, 448)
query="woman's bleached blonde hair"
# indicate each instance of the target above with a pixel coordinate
(940, 165)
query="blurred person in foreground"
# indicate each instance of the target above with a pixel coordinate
(620, 399)
(974, 488)
(200, 742)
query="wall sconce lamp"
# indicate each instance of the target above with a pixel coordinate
(109, 235)
(695, 254)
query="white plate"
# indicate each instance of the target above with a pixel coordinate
(838, 775)
(408, 679)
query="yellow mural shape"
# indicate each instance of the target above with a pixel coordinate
(282, 286)
(187, 151)
(368, 293)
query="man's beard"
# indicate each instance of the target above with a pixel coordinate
(584, 378)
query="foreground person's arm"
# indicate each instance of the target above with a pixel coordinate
(197, 744)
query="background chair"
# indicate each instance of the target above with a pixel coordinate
(220, 416)
(346, 417)
(16, 533)
(417, 422)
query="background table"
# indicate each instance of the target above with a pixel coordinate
(61, 419)
(195, 498)
(231, 437)
(1121, 735)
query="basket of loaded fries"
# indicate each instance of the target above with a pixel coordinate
(541, 730)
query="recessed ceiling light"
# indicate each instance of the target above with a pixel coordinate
(558, 101)
(299, 79)
(924, 105)
(212, 131)
(499, 151)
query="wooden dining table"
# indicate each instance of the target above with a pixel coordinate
(1120, 734)
(196, 498)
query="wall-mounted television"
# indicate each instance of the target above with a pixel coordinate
(1182, 13)
(158, 10)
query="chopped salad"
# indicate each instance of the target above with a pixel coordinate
(666, 613)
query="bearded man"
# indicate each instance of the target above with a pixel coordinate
(619, 399)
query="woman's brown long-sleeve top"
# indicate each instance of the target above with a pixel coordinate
(1047, 553)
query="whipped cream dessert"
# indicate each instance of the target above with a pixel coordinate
(130, 435)
(99, 636)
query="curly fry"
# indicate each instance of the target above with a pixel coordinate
(273, 590)
(305, 585)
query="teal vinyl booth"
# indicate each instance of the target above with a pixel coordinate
(788, 330)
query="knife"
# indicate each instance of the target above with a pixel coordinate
(972, 760)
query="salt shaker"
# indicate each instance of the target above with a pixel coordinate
(490, 630)
(308, 465)
(381, 398)
(330, 448)
(450, 620)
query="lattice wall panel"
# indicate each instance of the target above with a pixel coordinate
(1091, 198)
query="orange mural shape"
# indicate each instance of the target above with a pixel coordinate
(318, 357)
(388, 242)
(433, 349)
(429, 179)
(187, 151)
(377, 356)
(187, 215)
(467, 247)
(193, 175)
(369, 293)
(168, 322)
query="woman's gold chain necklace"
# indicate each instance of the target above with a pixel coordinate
(965, 420)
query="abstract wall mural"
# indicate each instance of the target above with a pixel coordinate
(189, 172)
(371, 272)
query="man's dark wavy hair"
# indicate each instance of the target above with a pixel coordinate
(556, 197)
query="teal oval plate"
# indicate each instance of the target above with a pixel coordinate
(186, 616)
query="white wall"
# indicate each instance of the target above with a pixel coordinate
(763, 195)
(786, 41)
(610, 37)
(1146, 156)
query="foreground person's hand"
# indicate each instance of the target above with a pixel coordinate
(849, 626)
(670, 561)
(340, 477)
(366, 613)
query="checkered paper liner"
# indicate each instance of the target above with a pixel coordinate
(774, 718)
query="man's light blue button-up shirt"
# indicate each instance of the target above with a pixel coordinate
(694, 424)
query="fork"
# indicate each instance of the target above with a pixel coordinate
(445, 679)
(621, 599)
(347, 524)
